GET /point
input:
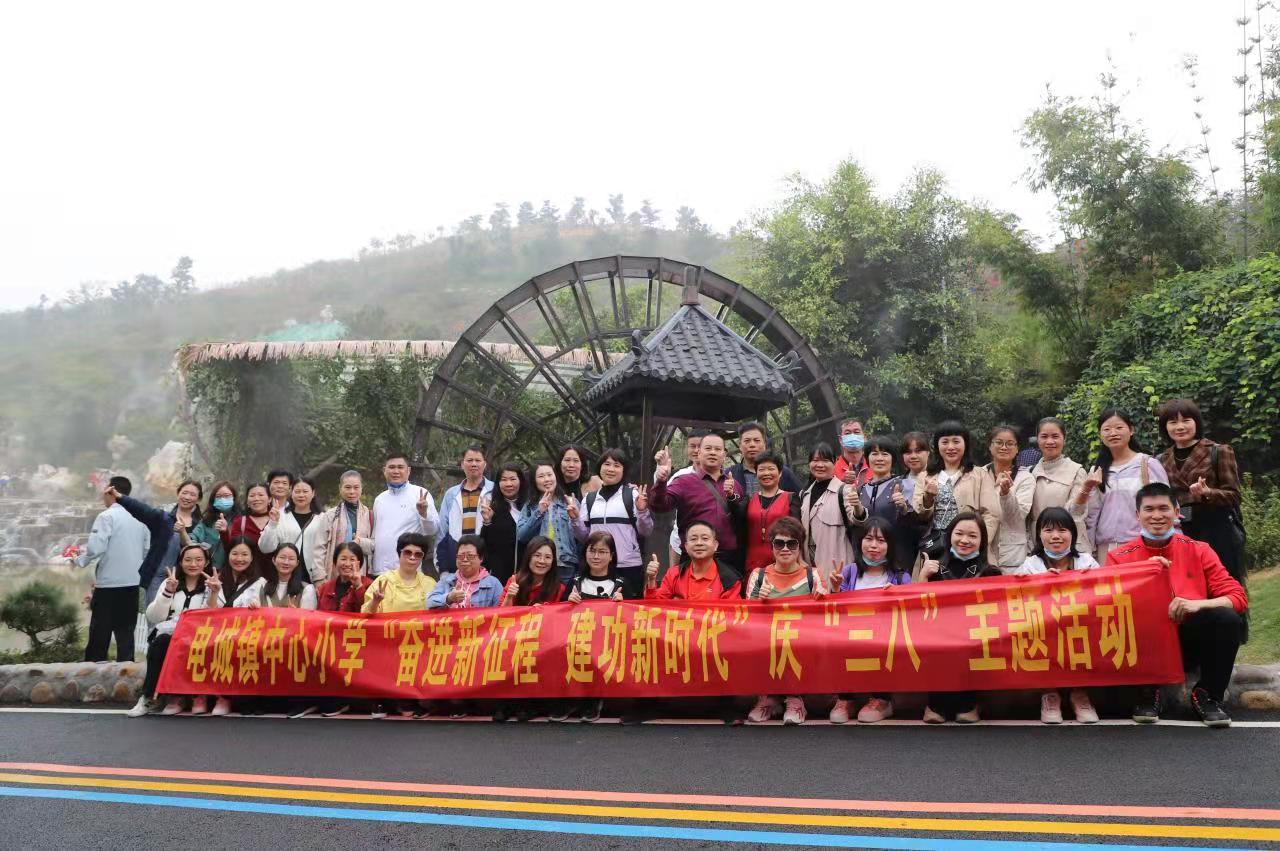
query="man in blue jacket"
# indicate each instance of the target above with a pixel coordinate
(118, 543)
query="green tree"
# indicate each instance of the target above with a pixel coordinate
(525, 215)
(617, 210)
(38, 609)
(181, 281)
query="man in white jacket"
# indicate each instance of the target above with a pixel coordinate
(401, 508)
(118, 543)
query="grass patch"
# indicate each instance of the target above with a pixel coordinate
(1264, 618)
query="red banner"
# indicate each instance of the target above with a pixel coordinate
(1103, 627)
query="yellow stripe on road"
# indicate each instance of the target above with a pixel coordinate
(1166, 831)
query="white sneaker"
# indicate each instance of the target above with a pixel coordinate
(378, 712)
(221, 706)
(173, 707)
(875, 710)
(970, 717)
(142, 707)
(766, 709)
(795, 713)
(839, 712)
(309, 710)
(1050, 708)
(336, 711)
(931, 717)
(200, 705)
(1083, 707)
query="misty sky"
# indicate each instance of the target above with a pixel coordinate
(257, 136)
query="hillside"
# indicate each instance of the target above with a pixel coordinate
(74, 374)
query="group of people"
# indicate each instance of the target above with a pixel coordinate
(875, 512)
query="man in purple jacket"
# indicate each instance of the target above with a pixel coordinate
(702, 495)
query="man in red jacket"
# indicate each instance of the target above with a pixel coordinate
(1207, 604)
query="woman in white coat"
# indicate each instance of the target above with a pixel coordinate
(299, 525)
(1015, 488)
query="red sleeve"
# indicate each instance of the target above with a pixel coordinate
(1219, 582)
(666, 590)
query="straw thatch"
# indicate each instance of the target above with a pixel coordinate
(194, 354)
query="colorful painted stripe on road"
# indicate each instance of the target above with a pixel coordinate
(77, 783)
(736, 801)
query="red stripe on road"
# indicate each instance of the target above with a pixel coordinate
(985, 807)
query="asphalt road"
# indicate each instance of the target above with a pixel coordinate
(1071, 767)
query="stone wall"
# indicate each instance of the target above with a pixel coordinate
(72, 682)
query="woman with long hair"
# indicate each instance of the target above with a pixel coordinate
(187, 586)
(283, 586)
(501, 515)
(550, 513)
(954, 487)
(964, 558)
(829, 511)
(1058, 480)
(535, 583)
(571, 469)
(294, 525)
(1109, 490)
(1206, 481)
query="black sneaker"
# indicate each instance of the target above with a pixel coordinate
(1209, 710)
(1147, 710)
(499, 714)
(590, 710)
(564, 710)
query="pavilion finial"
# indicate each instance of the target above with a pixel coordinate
(690, 295)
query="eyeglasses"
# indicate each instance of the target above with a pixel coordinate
(1004, 444)
(466, 556)
(415, 555)
(786, 544)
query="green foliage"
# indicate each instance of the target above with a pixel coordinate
(887, 290)
(1212, 336)
(1131, 218)
(1264, 620)
(1260, 510)
(40, 608)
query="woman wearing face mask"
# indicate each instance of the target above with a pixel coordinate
(348, 522)
(954, 487)
(1204, 477)
(571, 470)
(829, 511)
(222, 511)
(875, 568)
(1015, 488)
(1055, 552)
(622, 510)
(787, 577)
(964, 558)
(1058, 479)
(255, 517)
(501, 515)
(1111, 486)
(552, 514)
(295, 526)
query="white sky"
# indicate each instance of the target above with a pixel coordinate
(257, 136)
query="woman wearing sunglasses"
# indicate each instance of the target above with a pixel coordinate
(787, 576)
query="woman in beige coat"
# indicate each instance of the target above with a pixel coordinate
(828, 510)
(954, 486)
(1058, 481)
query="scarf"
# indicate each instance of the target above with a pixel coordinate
(468, 587)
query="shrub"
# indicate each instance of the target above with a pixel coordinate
(38, 609)
(1260, 508)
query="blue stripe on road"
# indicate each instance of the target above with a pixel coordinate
(642, 831)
